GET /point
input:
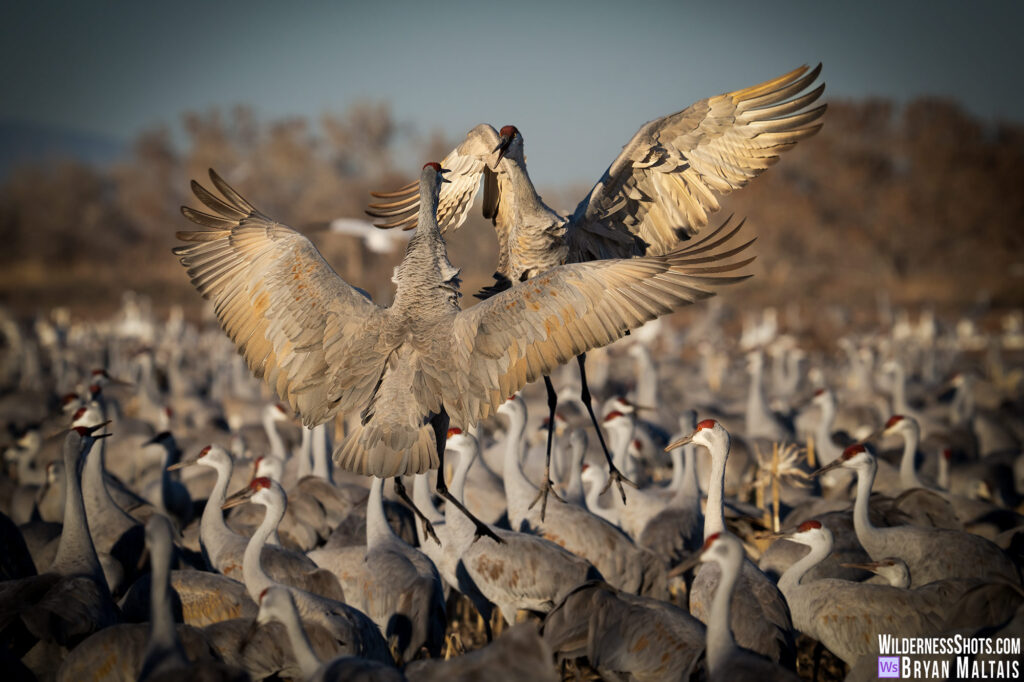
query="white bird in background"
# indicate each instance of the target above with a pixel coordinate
(409, 368)
(658, 191)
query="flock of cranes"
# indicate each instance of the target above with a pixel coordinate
(166, 516)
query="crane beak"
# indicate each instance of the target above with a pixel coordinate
(182, 464)
(870, 566)
(835, 464)
(686, 565)
(239, 498)
(441, 172)
(502, 148)
(679, 443)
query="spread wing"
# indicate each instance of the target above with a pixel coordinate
(669, 176)
(523, 333)
(466, 164)
(302, 328)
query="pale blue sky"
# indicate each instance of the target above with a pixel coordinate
(577, 78)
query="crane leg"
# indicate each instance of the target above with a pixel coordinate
(545, 488)
(440, 423)
(428, 528)
(613, 473)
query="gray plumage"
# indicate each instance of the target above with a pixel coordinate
(326, 348)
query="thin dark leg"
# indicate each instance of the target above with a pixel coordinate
(545, 488)
(440, 423)
(613, 473)
(428, 528)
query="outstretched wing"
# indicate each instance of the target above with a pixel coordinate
(523, 333)
(668, 178)
(301, 327)
(466, 164)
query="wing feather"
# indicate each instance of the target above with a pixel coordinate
(279, 301)
(524, 332)
(668, 178)
(466, 164)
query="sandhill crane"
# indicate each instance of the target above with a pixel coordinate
(71, 600)
(277, 604)
(930, 553)
(659, 190)
(224, 550)
(624, 634)
(402, 590)
(518, 654)
(134, 651)
(523, 572)
(846, 616)
(760, 618)
(725, 660)
(327, 348)
(623, 564)
(350, 627)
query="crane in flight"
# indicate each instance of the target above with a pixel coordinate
(656, 193)
(422, 363)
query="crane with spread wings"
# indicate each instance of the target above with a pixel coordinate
(411, 368)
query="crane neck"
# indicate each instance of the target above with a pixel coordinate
(517, 487)
(899, 390)
(720, 642)
(861, 520)
(422, 499)
(908, 472)
(688, 493)
(461, 528)
(273, 436)
(321, 450)
(213, 531)
(76, 554)
(305, 466)
(621, 436)
(714, 519)
(378, 530)
(256, 579)
(593, 495)
(164, 643)
(519, 189)
(790, 580)
(307, 659)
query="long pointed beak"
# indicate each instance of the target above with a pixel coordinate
(502, 148)
(240, 497)
(686, 565)
(441, 174)
(834, 464)
(869, 566)
(680, 442)
(182, 464)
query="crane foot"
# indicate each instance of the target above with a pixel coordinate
(614, 475)
(542, 497)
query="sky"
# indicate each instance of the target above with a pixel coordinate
(577, 78)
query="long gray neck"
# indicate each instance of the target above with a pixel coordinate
(790, 580)
(688, 494)
(307, 659)
(714, 520)
(321, 449)
(517, 487)
(520, 189)
(273, 437)
(862, 526)
(908, 472)
(720, 643)
(305, 467)
(76, 554)
(164, 643)
(256, 580)
(214, 533)
(378, 531)
(459, 525)
(825, 424)
(421, 497)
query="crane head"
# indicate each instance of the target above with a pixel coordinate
(506, 136)
(437, 169)
(856, 456)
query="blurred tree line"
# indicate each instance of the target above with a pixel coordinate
(922, 202)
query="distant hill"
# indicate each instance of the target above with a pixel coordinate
(22, 142)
